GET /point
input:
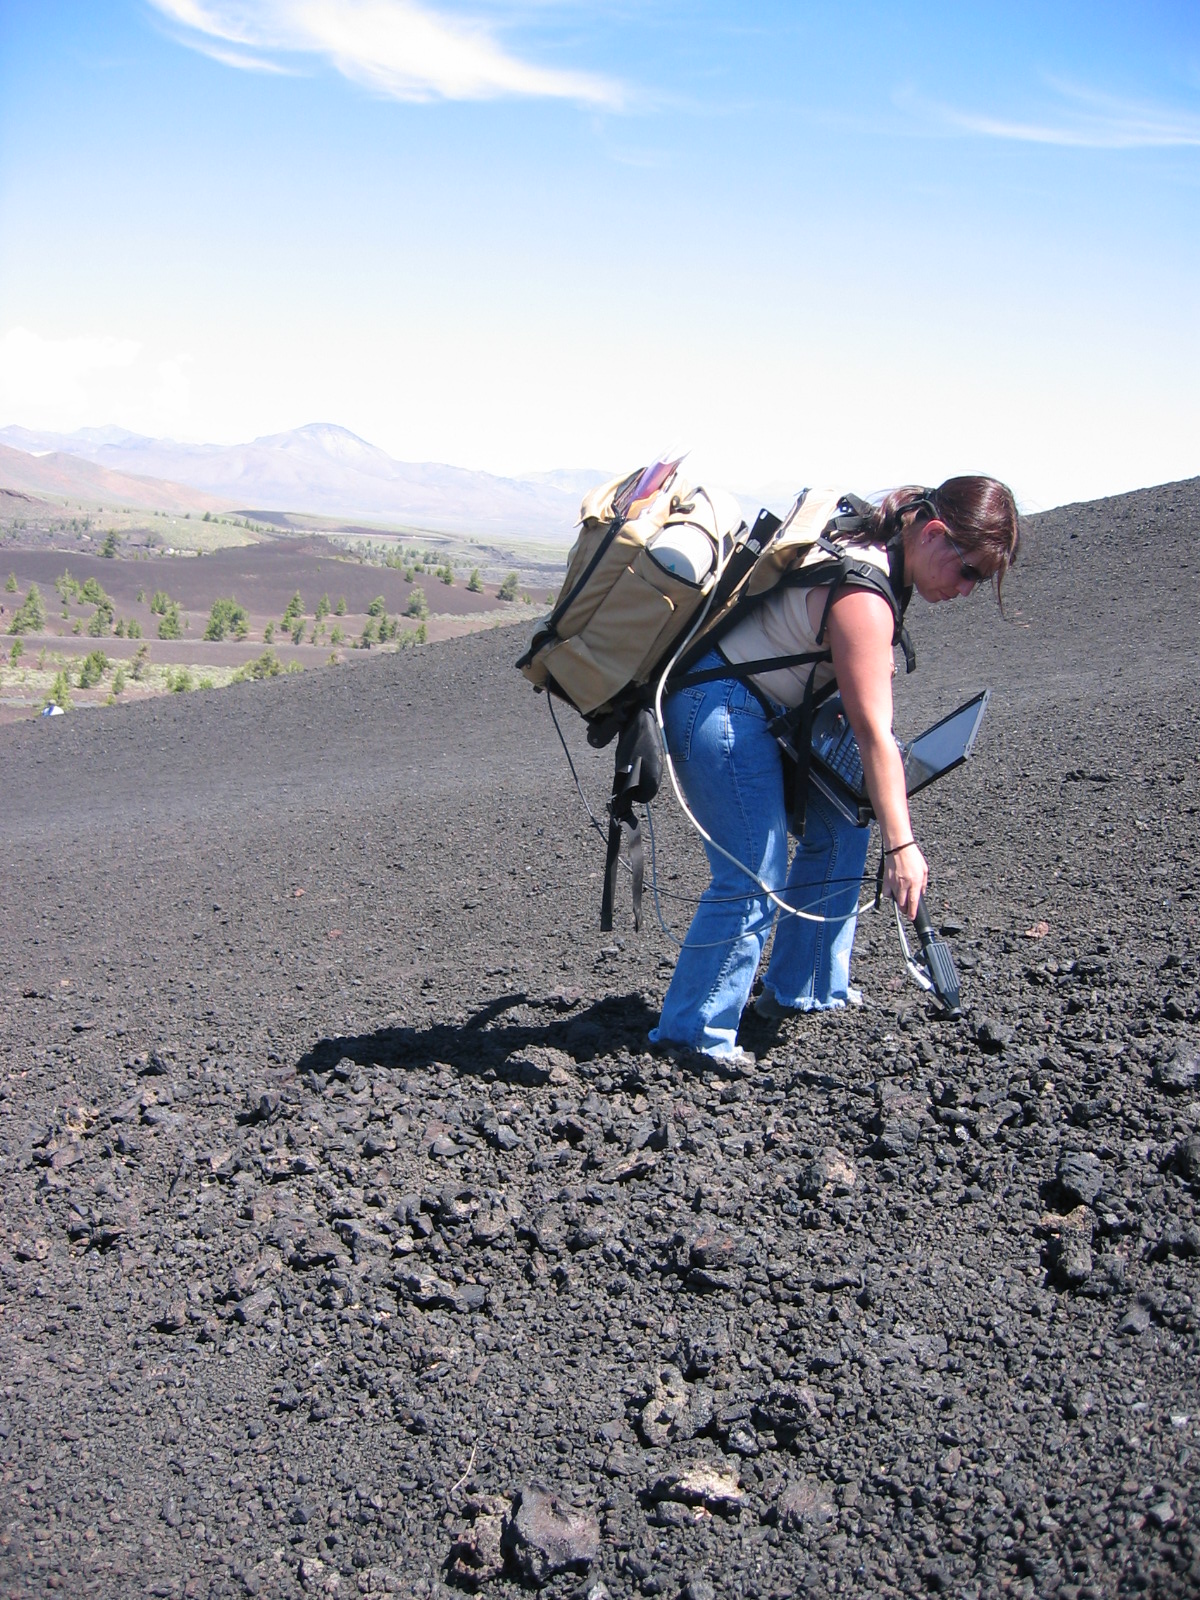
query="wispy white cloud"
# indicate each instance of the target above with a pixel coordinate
(397, 48)
(89, 378)
(240, 60)
(1081, 119)
(37, 372)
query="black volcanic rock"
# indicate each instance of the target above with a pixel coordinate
(1186, 1159)
(545, 1536)
(1079, 1175)
(1180, 1072)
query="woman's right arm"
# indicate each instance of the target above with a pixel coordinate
(860, 640)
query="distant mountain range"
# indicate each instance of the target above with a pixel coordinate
(56, 473)
(321, 469)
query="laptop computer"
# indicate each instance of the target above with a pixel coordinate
(836, 766)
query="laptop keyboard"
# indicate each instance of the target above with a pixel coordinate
(842, 756)
(837, 748)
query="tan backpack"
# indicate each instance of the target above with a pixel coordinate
(622, 609)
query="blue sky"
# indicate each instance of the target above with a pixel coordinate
(863, 243)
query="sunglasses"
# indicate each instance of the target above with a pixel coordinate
(969, 573)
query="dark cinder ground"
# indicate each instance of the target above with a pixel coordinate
(344, 1202)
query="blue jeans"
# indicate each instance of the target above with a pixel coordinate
(731, 771)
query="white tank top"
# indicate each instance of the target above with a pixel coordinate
(780, 626)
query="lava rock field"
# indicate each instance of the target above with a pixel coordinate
(356, 1242)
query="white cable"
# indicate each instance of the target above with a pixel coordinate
(708, 944)
(772, 895)
(916, 973)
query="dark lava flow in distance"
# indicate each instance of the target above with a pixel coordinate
(345, 1207)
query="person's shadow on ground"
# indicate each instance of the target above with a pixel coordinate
(483, 1043)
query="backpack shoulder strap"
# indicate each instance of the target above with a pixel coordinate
(839, 569)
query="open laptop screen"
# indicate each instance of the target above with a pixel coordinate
(944, 746)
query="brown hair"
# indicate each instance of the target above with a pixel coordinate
(980, 513)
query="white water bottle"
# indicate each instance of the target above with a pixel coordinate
(686, 552)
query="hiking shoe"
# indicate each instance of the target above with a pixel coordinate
(735, 1062)
(770, 1009)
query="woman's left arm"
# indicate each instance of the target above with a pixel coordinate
(860, 639)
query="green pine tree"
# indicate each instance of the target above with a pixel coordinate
(95, 665)
(227, 618)
(31, 615)
(60, 692)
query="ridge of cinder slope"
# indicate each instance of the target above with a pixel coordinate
(345, 1201)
